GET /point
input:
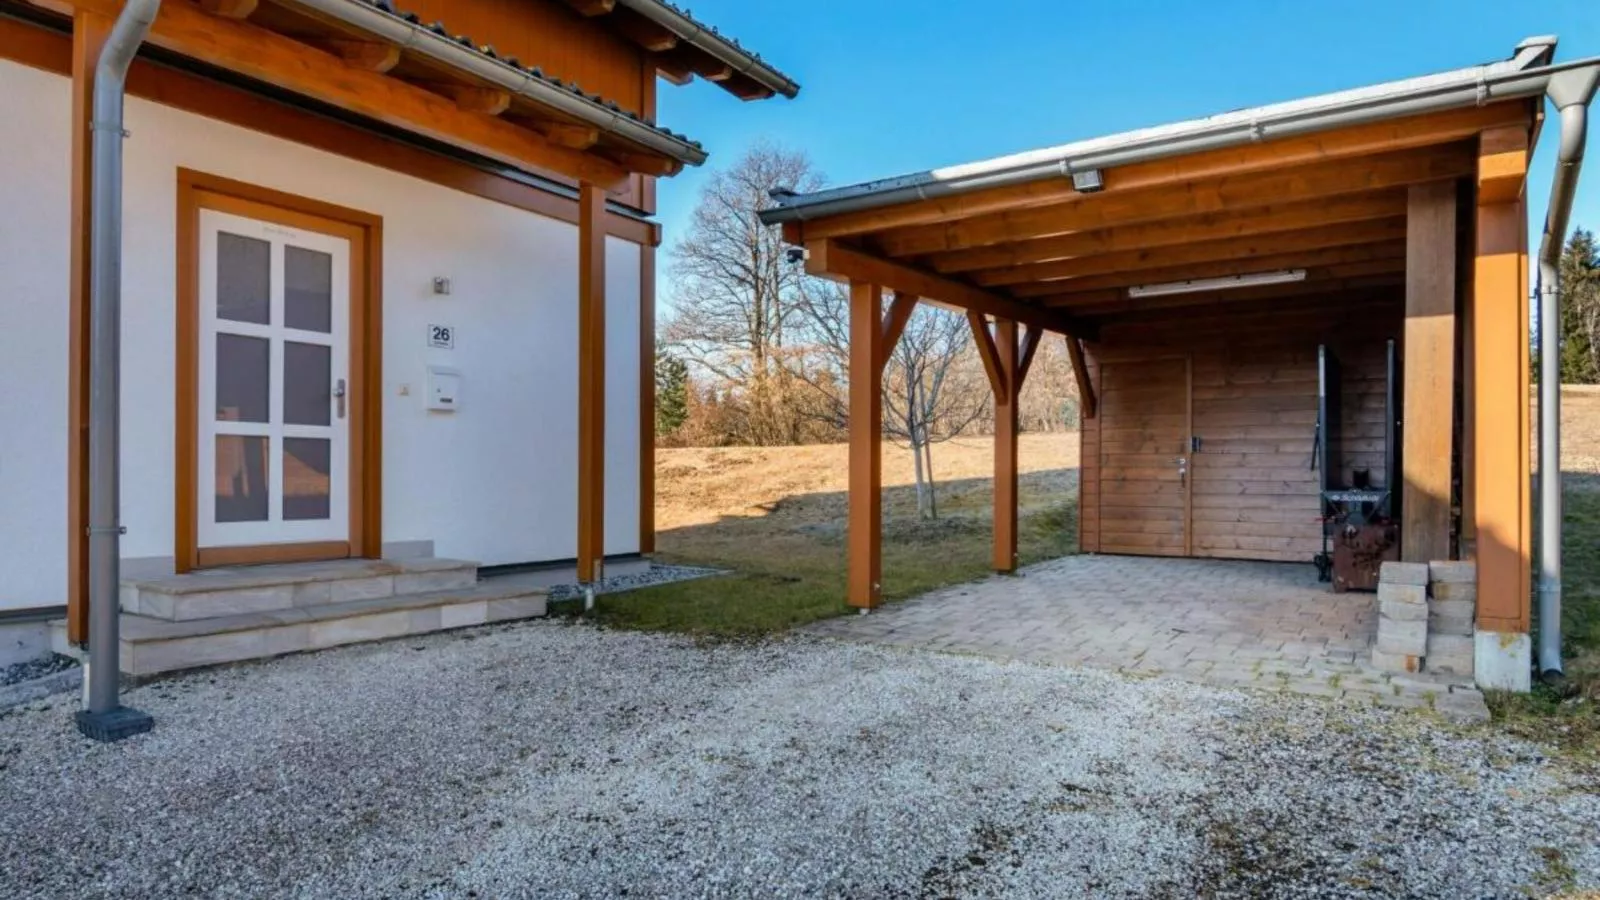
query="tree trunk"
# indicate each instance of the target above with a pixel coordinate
(933, 494)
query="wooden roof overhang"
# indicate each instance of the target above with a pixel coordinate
(402, 74)
(1042, 253)
(682, 47)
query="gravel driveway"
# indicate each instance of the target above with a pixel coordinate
(555, 760)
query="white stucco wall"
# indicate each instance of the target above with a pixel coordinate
(493, 481)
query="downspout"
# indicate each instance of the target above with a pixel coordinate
(1570, 92)
(107, 719)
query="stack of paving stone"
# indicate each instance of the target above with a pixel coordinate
(1452, 610)
(1402, 617)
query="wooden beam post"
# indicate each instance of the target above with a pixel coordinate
(864, 588)
(1500, 463)
(591, 381)
(1005, 446)
(647, 398)
(1430, 329)
(89, 33)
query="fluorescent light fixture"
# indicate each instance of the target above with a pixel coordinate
(1087, 181)
(1217, 284)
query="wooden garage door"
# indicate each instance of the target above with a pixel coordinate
(1144, 443)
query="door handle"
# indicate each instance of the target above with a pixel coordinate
(338, 397)
(1183, 469)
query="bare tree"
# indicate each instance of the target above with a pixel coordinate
(735, 302)
(933, 388)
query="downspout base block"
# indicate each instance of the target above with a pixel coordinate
(1503, 661)
(113, 724)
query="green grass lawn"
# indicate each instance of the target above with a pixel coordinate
(784, 577)
(1570, 718)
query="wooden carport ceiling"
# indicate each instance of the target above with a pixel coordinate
(1333, 204)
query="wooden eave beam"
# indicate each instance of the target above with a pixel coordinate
(591, 8)
(571, 136)
(1047, 278)
(830, 258)
(1086, 304)
(475, 99)
(644, 32)
(1188, 198)
(647, 163)
(229, 9)
(1361, 140)
(1311, 260)
(1384, 288)
(675, 70)
(1288, 216)
(267, 56)
(372, 56)
(1502, 165)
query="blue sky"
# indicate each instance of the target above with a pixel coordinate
(895, 86)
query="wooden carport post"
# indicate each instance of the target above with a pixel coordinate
(1429, 404)
(1500, 462)
(872, 337)
(1007, 366)
(591, 382)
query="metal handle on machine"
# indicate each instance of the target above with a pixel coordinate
(338, 396)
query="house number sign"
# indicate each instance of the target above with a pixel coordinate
(442, 336)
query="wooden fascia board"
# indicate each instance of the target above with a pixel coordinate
(275, 59)
(1361, 140)
(830, 258)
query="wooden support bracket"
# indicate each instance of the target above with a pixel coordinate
(1080, 373)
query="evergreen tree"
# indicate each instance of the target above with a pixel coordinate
(1580, 310)
(672, 391)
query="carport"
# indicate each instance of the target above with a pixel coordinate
(1211, 278)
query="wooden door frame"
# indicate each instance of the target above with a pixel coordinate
(197, 191)
(1113, 358)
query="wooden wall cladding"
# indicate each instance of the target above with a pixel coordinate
(1252, 493)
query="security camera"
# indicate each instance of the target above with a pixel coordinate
(795, 255)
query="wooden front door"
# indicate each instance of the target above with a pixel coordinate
(1144, 457)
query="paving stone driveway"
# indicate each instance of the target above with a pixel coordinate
(1263, 625)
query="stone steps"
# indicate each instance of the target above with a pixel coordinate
(153, 645)
(214, 593)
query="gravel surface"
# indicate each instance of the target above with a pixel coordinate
(557, 760)
(16, 673)
(655, 575)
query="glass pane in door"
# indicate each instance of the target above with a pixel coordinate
(307, 290)
(244, 279)
(243, 378)
(307, 383)
(241, 489)
(307, 463)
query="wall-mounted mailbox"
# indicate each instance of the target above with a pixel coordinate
(444, 388)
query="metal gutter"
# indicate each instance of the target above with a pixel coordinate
(530, 84)
(1526, 74)
(1570, 91)
(727, 51)
(106, 719)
